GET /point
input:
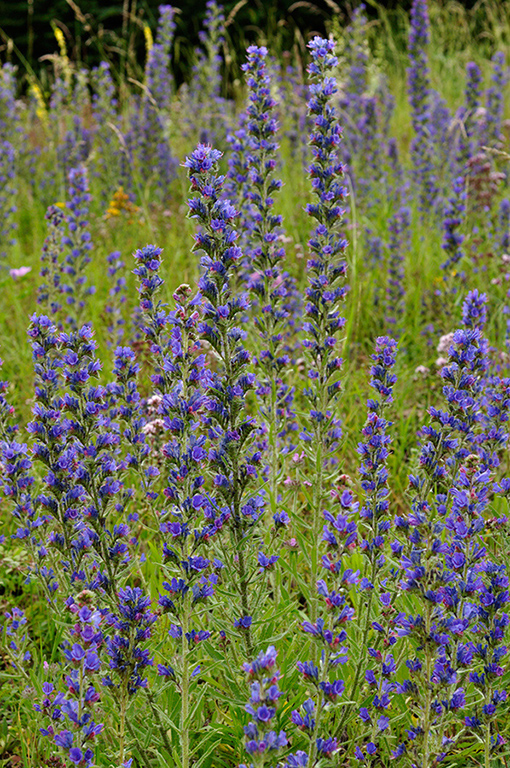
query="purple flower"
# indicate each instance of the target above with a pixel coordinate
(264, 690)
(243, 623)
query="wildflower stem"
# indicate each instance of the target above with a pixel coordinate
(186, 611)
(161, 728)
(487, 744)
(364, 638)
(429, 653)
(243, 586)
(122, 725)
(316, 527)
(318, 711)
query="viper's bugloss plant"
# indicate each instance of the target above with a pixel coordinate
(51, 257)
(374, 528)
(71, 725)
(7, 198)
(425, 555)
(398, 245)
(16, 639)
(233, 456)
(326, 290)
(9, 159)
(7, 425)
(77, 244)
(495, 99)
(418, 75)
(117, 298)
(267, 283)
(104, 109)
(236, 184)
(129, 657)
(207, 110)
(191, 519)
(158, 73)
(470, 115)
(452, 221)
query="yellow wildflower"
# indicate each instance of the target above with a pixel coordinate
(120, 203)
(59, 35)
(40, 109)
(149, 42)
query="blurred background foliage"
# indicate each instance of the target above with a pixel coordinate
(96, 30)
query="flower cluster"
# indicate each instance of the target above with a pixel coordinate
(51, 271)
(398, 245)
(16, 637)
(262, 741)
(75, 707)
(375, 451)
(453, 218)
(77, 244)
(117, 298)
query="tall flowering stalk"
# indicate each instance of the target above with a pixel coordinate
(328, 633)
(154, 150)
(453, 218)
(398, 246)
(104, 111)
(424, 555)
(324, 294)
(326, 290)
(190, 520)
(233, 456)
(75, 707)
(48, 292)
(495, 102)
(158, 74)
(236, 186)
(212, 37)
(77, 243)
(129, 657)
(267, 282)
(77, 445)
(16, 639)
(469, 138)
(9, 127)
(490, 650)
(473, 92)
(418, 75)
(206, 107)
(7, 198)
(373, 528)
(116, 298)
(504, 226)
(356, 81)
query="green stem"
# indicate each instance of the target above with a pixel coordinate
(316, 529)
(362, 656)
(487, 746)
(122, 725)
(243, 584)
(161, 728)
(185, 679)
(428, 693)
(318, 712)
